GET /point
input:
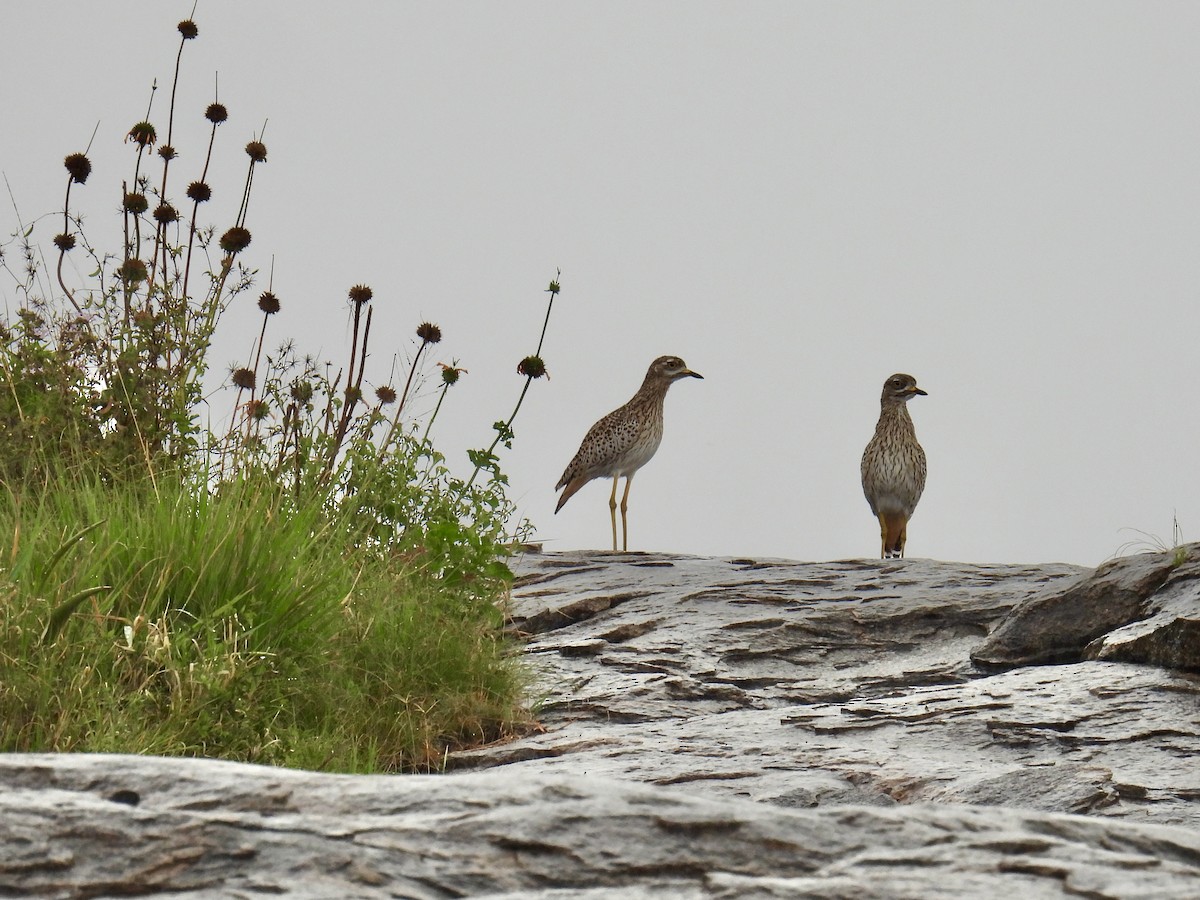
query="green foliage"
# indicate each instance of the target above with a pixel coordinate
(234, 623)
(312, 586)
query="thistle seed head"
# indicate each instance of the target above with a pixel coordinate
(257, 151)
(216, 113)
(243, 378)
(136, 203)
(199, 192)
(429, 333)
(188, 29)
(360, 294)
(143, 134)
(532, 367)
(167, 152)
(79, 166)
(268, 303)
(132, 271)
(64, 242)
(165, 213)
(235, 240)
(385, 394)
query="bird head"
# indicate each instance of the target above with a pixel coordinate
(900, 388)
(670, 368)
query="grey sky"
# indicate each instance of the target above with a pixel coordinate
(797, 198)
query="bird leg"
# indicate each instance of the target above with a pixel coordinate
(612, 508)
(624, 511)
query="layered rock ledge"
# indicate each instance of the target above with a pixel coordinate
(718, 728)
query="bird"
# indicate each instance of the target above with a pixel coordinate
(893, 465)
(624, 441)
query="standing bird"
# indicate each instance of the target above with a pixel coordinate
(893, 465)
(624, 440)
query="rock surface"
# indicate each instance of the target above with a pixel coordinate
(713, 728)
(1141, 609)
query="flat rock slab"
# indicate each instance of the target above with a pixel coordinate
(711, 728)
(112, 826)
(808, 684)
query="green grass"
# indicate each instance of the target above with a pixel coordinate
(235, 625)
(309, 585)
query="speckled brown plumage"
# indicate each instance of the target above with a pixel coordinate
(893, 465)
(624, 440)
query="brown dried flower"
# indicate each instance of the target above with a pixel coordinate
(268, 303)
(243, 378)
(136, 203)
(532, 366)
(429, 333)
(64, 242)
(132, 271)
(188, 29)
(142, 133)
(79, 166)
(216, 113)
(165, 213)
(360, 294)
(257, 151)
(385, 394)
(235, 240)
(199, 192)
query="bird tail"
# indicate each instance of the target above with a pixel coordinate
(569, 491)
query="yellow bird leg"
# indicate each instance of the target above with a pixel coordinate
(612, 508)
(624, 512)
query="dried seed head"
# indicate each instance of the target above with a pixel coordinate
(216, 113)
(257, 151)
(385, 394)
(243, 378)
(165, 213)
(450, 373)
(360, 294)
(268, 303)
(532, 366)
(429, 333)
(302, 391)
(132, 271)
(235, 240)
(188, 29)
(79, 166)
(64, 242)
(167, 152)
(199, 191)
(136, 203)
(143, 133)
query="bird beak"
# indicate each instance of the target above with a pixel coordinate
(916, 390)
(689, 373)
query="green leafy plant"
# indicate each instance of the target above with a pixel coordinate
(310, 585)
